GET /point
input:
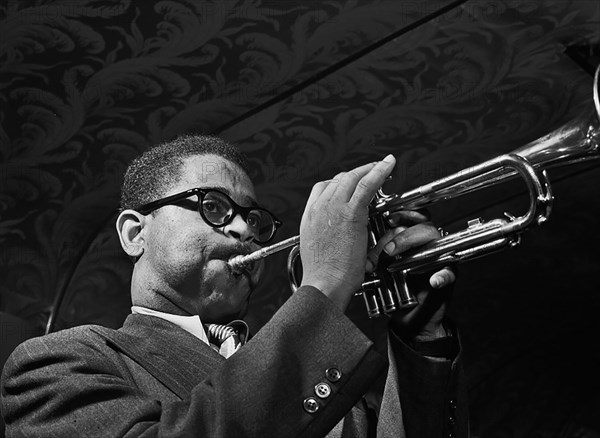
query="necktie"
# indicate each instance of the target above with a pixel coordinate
(226, 339)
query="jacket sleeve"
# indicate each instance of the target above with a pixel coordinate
(72, 385)
(431, 392)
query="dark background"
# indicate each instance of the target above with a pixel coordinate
(308, 89)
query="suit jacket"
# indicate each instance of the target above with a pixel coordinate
(151, 378)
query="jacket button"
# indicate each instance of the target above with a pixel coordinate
(333, 374)
(323, 390)
(311, 405)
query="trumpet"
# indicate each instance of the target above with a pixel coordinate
(386, 290)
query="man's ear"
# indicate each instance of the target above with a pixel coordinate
(129, 225)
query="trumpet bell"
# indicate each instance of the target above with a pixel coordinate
(574, 142)
(385, 291)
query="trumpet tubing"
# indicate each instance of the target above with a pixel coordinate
(238, 263)
(385, 290)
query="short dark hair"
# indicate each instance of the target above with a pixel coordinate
(151, 174)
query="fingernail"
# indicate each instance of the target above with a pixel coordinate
(436, 283)
(369, 266)
(389, 247)
(389, 158)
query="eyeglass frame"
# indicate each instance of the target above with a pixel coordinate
(201, 193)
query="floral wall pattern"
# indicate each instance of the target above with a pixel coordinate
(308, 89)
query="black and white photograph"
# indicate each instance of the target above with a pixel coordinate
(300, 218)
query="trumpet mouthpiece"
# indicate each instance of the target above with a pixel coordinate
(244, 262)
(239, 263)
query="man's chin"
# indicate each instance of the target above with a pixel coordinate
(224, 310)
(227, 297)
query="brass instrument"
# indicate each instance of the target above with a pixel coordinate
(385, 291)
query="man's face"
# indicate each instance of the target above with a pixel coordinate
(185, 259)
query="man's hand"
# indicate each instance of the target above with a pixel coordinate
(412, 229)
(333, 230)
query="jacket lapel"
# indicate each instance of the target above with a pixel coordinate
(171, 355)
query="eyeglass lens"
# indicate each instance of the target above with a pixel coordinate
(218, 210)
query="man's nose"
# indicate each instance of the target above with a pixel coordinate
(239, 229)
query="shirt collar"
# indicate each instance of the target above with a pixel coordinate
(190, 324)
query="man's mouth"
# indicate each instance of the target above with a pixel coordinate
(242, 271)
(235, 270)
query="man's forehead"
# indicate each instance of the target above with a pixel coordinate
(217, 172)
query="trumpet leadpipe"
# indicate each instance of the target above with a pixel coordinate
(239, 262)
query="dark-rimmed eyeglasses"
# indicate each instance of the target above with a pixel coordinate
(218, 209)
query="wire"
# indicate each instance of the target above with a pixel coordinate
(337, 66)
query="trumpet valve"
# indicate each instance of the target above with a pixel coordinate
(405, 298)
(371, 303)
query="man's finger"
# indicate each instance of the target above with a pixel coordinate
(346, 183)
(442, 278)
(367, 186)
(407, 218)
(419, 234)
(332, 186)
(316, 192)
(373, 254)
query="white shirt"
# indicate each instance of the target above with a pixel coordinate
(190, 324)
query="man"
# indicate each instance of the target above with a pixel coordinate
(188, 206)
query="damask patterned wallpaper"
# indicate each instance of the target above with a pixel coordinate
(308, 89)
